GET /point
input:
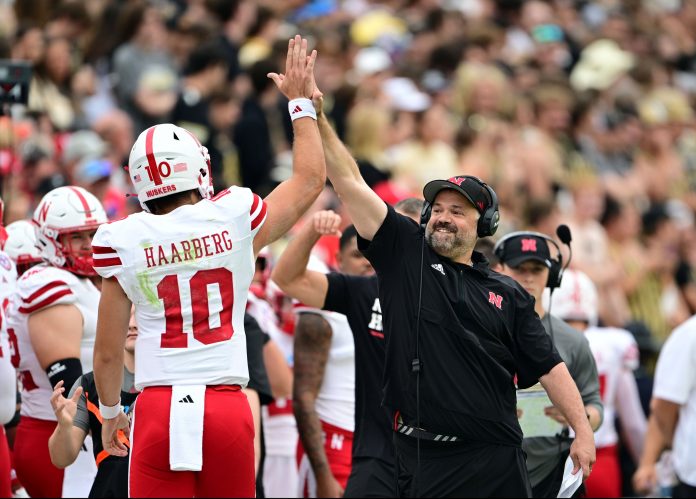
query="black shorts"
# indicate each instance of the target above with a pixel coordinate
(111, 479)
(683, 490)
(461, 469)
(371, 477)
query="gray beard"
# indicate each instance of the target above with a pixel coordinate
(451, 247)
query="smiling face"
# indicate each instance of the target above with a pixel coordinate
(451, 230)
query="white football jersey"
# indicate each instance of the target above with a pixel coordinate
(279, 425)
(335, 403)
(37, 289)
(8, 279)
(8, 377)
(614, 350)
(188, 273)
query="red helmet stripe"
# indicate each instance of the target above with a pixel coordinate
(83, 200)
(150, 153)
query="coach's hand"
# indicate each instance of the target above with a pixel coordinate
(326, 223)
(112, 436)
(583, 454)
(328, 486)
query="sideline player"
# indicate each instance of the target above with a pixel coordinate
(52, 324)
(8, 378)
(616, 353)
(186, 264)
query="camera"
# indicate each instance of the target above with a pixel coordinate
(14, 81)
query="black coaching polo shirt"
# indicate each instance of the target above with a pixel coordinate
(478, 333)
(357, 298)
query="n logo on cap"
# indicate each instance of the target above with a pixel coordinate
(529, 245)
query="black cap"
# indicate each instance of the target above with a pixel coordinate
(525, 247)
(467, 186)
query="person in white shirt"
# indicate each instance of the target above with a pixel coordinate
(616, 355)
(673, 403)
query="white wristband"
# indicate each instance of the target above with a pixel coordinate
(110, 412)
(299, 108)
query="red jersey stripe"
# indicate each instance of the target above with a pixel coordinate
(48, 301)
(43, 290)
(102, 250)
(106, 262)
(254, 204)
(259, 218)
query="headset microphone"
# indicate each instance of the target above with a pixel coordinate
(563, 233)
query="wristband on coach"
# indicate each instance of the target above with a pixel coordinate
(110, 412)
(300, 108)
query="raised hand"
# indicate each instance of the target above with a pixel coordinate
(326, 223)
(65, 408)
(298, 80)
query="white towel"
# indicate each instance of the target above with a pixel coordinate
(186, 428)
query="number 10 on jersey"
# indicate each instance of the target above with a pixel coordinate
(168, 292)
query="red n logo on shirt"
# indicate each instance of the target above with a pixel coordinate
(496, 300)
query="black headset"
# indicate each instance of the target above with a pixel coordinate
(488, 221)
(556, 269)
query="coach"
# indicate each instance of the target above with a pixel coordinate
(458, 335)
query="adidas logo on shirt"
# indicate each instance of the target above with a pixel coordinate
(439, 268)
(186, 400)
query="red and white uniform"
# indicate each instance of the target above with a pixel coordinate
(37, 289)
(8, 378)
(616, 355)
(188, 273)
(279, 424)
(335, 405)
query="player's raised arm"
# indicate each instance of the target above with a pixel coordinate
(294, 196)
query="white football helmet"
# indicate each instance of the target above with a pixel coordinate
(21, 245)
(167, 159)
(63, 211)
(576, 298)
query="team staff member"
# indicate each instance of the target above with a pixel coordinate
(356, 296)
(78, 415)
(477, 331)
(526, 258)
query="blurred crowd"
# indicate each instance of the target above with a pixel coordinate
(575, 112)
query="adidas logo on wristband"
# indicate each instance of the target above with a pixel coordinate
(301, 108)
